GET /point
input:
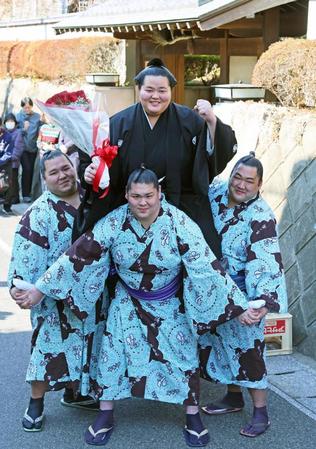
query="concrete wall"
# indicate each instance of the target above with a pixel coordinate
(11, 92)
(285, 142)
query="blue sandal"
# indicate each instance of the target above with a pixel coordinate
(252, 430)
(98, 438)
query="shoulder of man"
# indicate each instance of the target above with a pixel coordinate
(189, 118)
(37, 213)
(262, 207)
(124, 114)
(35, 117)
(112, 220)
(217, 187)
(122, 122)
(42, 201)
(259, 212)
(178, 216)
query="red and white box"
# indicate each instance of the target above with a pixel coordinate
(278, 333)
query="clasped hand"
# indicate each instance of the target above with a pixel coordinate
(252, 316)
(26, 298)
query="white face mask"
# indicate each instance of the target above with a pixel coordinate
(10, 125)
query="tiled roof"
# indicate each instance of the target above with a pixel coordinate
(124, 7)
(144, 15)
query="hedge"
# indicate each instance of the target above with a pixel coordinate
(288, 70)
(59, 59)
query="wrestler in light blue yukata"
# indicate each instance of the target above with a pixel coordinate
(170, 290)
(60, 340)
(251, 255)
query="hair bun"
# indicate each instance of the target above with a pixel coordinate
(252, 154)
(155, 62)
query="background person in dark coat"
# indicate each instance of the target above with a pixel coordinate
(29, 122)
(10, 123)
(6, 148)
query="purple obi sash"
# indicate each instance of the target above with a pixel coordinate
(161, 294)
(240, 281)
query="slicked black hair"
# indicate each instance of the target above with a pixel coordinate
(26, 100)
(142, 175)
(155, 67)
(251, 161)
(51, 154)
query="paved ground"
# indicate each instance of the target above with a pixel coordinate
(144, 424)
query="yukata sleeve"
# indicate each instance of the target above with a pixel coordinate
(210, 296)
(29, 258)
(264, 269)
(79, 275)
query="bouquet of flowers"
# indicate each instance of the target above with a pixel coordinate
(88, 128)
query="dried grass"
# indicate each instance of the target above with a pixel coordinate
(288, 70)
(58, 60)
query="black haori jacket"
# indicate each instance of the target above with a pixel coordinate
(189, 169)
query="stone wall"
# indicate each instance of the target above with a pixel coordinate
(285, 142)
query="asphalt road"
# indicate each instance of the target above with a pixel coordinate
(140, 424)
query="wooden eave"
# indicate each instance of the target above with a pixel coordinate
(134, 27)
(243, 18)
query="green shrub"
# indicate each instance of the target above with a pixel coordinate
(201, 69)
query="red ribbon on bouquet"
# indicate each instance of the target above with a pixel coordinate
(106, 154)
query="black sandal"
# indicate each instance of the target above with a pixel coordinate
(32, 425)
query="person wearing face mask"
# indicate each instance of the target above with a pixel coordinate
(6, 148)
(29, 122)
(10, 123)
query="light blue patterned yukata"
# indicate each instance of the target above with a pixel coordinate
(236, 353)
(60, 340)
(149, 347)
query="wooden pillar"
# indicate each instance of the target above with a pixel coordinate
(175, 63)
(139, 63)
(271, 26)
(224, 59)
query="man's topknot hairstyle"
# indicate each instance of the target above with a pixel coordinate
(251, 161)
(155, 67)
(142, 175)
